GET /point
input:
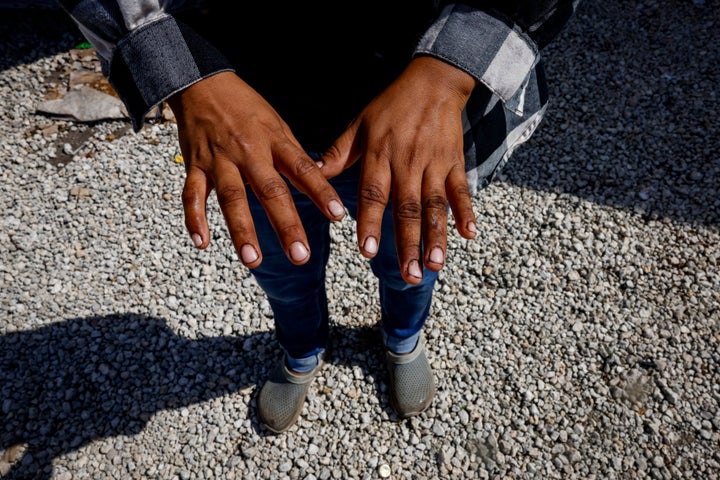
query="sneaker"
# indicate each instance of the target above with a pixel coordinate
(412, 385)
(282, 397)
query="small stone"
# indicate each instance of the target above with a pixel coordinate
(464, 417)
(48, 132)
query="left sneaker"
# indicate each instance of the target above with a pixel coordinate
(412, 385)
(283, 395)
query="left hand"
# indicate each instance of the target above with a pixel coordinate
(410, 138)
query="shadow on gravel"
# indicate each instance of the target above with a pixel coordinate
(69, 383)
(27, 35)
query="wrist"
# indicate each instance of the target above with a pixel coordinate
(198, 91)
(439, 71)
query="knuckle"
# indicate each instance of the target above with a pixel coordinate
(435, 202)
(372, 193)
(273, 188)
(408, 210)
(435, 208)
(231, 195)
(303, 166)
(461, 190)
(332, 153)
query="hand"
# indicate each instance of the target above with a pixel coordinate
(229, 136)
(411, 140)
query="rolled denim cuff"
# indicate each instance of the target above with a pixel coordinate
(305, 364)
(157, 60)
(401, 346)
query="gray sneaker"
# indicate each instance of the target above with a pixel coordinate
(282, 397)
(412, 385)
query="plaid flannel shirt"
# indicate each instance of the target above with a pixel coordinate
(148, 55)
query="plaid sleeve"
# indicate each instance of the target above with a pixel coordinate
(146, 53)
(485, 46)
(502, 53)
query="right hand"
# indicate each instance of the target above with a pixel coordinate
(410, 137)
(230, 136)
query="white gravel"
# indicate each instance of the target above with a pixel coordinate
(576, 338)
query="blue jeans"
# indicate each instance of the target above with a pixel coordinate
(297, 293)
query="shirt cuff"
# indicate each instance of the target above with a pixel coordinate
(157, 60)
(488, 47)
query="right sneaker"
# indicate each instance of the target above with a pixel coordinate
(412, 384)
(282, 397)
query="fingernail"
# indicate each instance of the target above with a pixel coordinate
(371, 245)
(298, 252)
(320, 164)
(336, 208)
(437, 256)
(196, 239)
(248, 254)
(472, 228)
(414, 269)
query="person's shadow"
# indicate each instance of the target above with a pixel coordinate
(69, 383)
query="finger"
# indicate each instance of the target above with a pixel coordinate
(434, 221)
(458, 194)
(407, 220)
(305, 175)
(344, 152)
(232, 198)
(276, 199)
(194, 199)
(373, 195)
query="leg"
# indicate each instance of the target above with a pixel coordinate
(297, 298)
(405, 309)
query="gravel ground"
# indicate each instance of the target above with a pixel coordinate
(577, 337)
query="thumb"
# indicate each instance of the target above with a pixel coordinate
(342, 154)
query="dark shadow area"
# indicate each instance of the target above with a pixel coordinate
(71, 382)
(27, 35)
(68, 383)
(632, 121)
